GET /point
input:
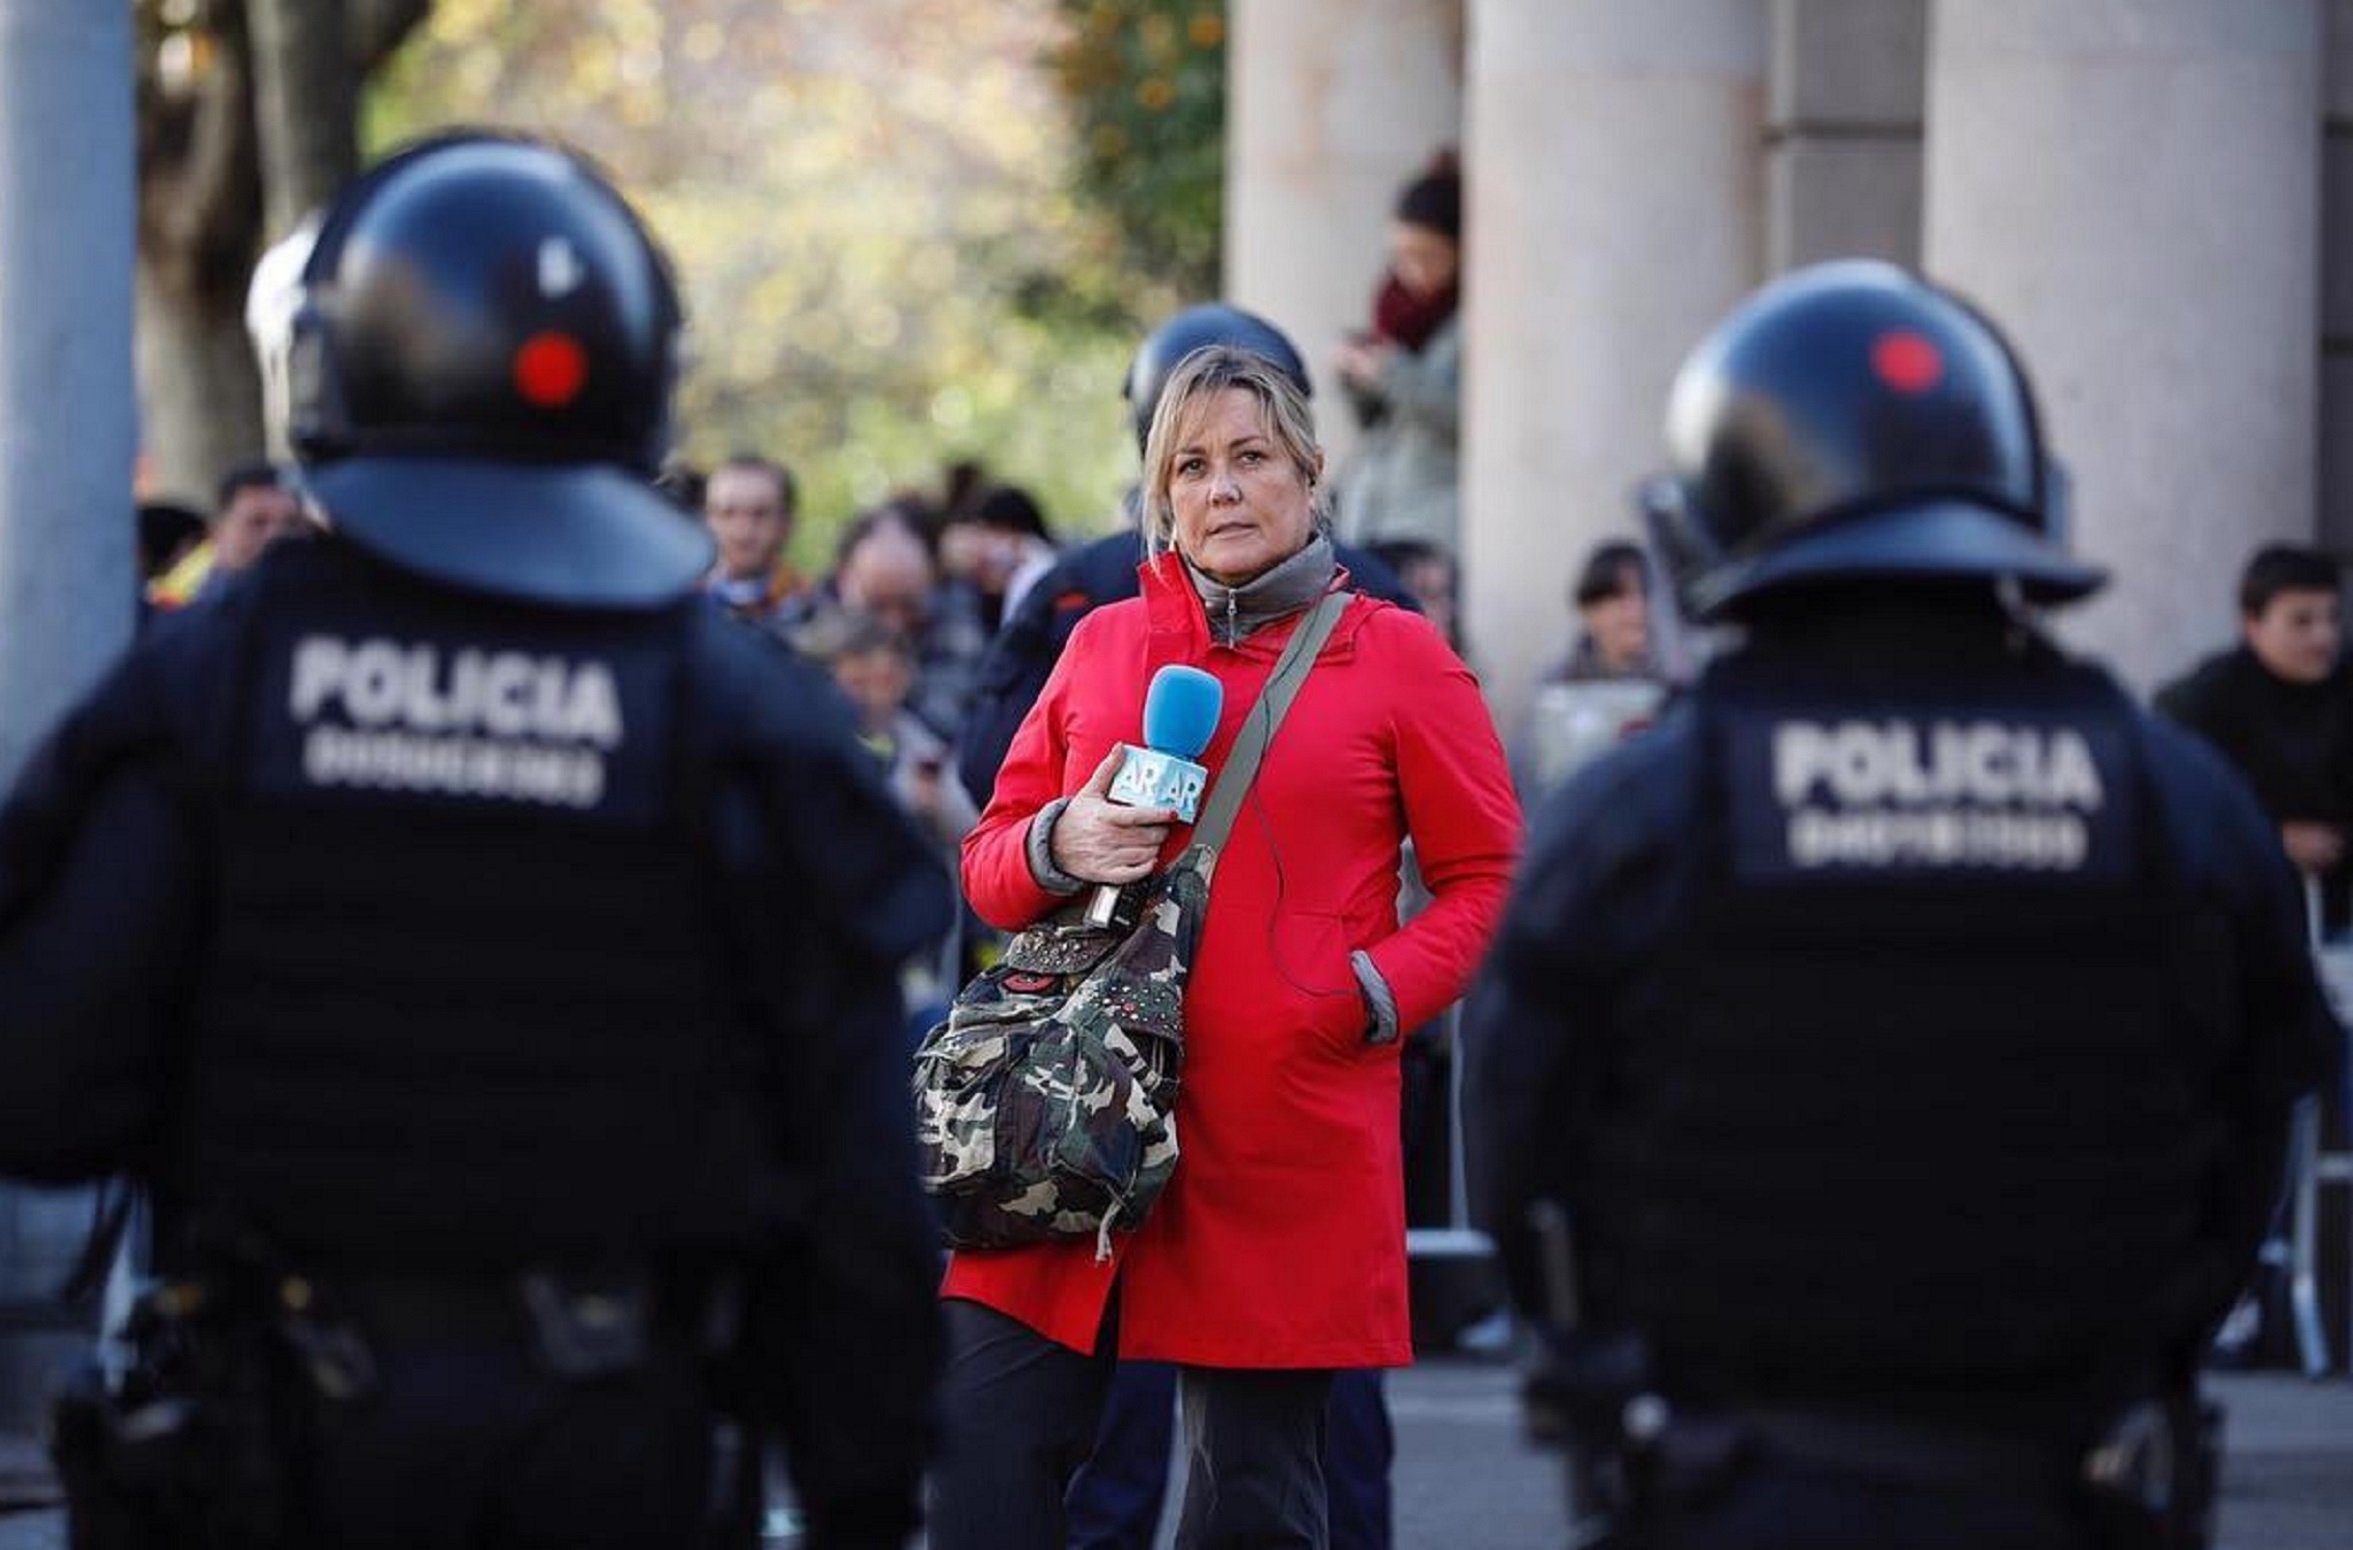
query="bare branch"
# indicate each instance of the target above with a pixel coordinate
(200, 184)
(304, 96)
(374, 28)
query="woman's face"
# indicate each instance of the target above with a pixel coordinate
(1423, 260)
(1242, 505)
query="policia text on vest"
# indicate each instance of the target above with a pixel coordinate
(398, 715)
(1923, 793)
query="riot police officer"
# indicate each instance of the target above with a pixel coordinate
(483, 953)
(1882, 1078)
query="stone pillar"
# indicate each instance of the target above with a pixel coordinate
(1842, 131)
(2132, 190)
(1332, 106)
(67, 439)
(2336, 292)
(1615, 166)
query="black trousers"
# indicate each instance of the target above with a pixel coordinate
(1020, 1414)
(467, 1444)
(1115, 1502)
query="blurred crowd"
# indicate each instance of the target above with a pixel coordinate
(919, 584)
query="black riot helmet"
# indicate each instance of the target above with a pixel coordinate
(1210, 323)
(479, 376)
(1851, 422)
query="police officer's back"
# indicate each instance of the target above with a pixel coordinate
(1907, 1024)
(483, 952)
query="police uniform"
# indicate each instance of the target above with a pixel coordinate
(1906, 1026)
(482, 951)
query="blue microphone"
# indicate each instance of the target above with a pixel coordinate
(1180, 717)
(1181, 708)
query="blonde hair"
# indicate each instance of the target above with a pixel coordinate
(1203, 375)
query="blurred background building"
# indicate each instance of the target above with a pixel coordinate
(2155, 197)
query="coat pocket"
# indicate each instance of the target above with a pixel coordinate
(1312, 966)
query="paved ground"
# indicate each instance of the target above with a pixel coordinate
(1465, 1481)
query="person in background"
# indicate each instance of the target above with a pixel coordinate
(1277, 1255)
(1404, 377)
(997, 543)
(1426, 1061)
(1431, 575)
(168, 533)
(886, 569)
(1606, 688)
(2279, 705)
(750, 503)
(255, 505)
(1028, 544)
(1612, 600)
(873, 665)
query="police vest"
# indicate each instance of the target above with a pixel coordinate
(1906, 1101)
(461, 1004)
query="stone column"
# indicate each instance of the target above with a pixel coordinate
(1331, 107)
(1615, 166)
(2132, 190)
(1842, 133)
(67, 437)
(2336, 286)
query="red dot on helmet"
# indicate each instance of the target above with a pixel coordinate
(1907, 362)
(550, 369)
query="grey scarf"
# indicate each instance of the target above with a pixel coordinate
(1277, 592)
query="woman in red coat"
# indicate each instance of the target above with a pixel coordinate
(1277, 1253)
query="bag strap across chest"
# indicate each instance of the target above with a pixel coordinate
(1224, 802)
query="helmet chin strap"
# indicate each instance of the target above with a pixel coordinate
(1681, 646)
(2029, 624)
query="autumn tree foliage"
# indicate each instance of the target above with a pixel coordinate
(1146, 83)
(895, 245)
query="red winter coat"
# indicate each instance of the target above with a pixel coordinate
(1280, 1241)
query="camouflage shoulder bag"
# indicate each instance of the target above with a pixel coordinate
(1046, 1103)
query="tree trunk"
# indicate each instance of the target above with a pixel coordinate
(305, 92)
(199, 232)
(199, 391)
(274, 112)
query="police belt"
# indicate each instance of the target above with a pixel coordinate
(577, 1323)
(1917, 1453)
(2147, 1481)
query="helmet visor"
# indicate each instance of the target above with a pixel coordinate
(584, 535)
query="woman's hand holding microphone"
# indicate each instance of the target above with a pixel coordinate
(1098, 840)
